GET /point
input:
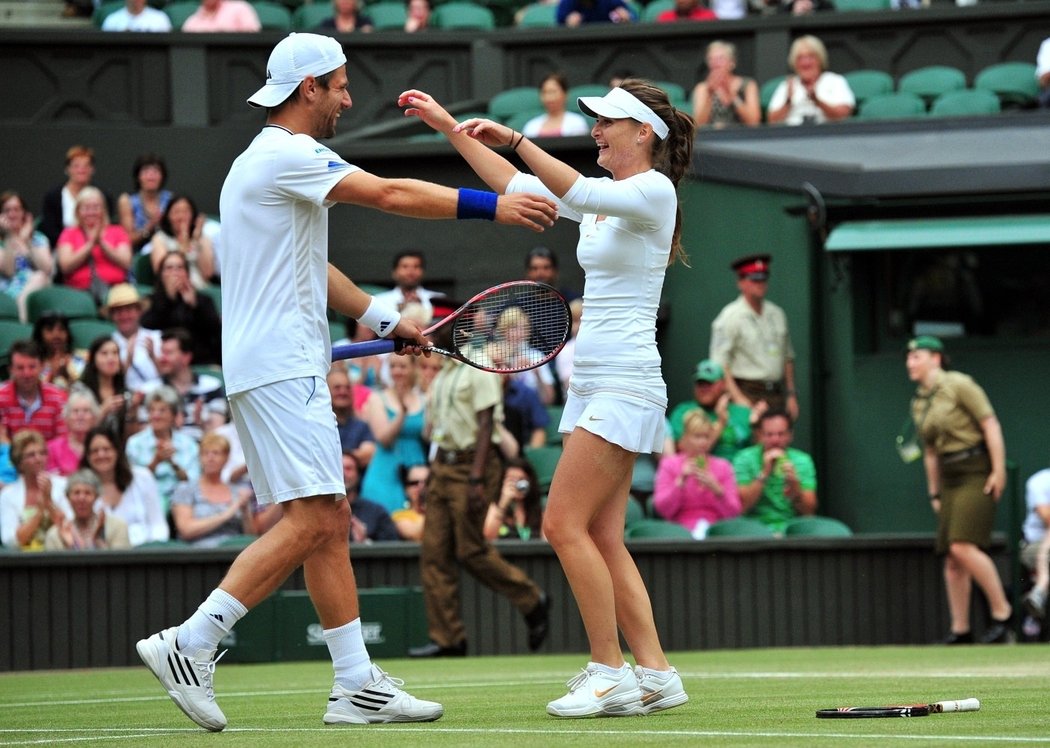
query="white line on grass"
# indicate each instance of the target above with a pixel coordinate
(137, 733)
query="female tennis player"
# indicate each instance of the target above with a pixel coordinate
(630, 229)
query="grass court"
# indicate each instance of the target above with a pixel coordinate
(761, 697)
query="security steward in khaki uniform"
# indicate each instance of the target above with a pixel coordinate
(750, 339)
(463, 407)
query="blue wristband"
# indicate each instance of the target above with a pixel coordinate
(476, 204)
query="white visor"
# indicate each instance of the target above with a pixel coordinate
(622, 104)
(295, 57)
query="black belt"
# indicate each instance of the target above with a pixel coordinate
(455, 456)
(949, 458)
(768, 385)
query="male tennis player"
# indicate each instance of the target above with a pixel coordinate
(277, 283)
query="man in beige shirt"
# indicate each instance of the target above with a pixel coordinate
(750, 339)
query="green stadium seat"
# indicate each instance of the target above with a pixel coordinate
(554, 415)
(538, 15)
(968, 102)
(309, 16)
(459, 15)
(892, 106)
(767, 89)
(656, 528)
(85, 331)
(387, 16)
(513, 101)
(675, 92)
(635, 512)
(519, 120)
(336, 330)
(740, 527)
(544, 460)
(11, 330)
(273, 16)
(868, 83)
(214, 293)
(655, 8)
(105, 9)
(1013, 82)
(930, 82)
(862, 5)
(179, 10)
(823, 527)
(72, 302)
(142, 268)
(8, 307)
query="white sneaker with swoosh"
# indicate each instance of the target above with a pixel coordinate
(594, 693)
(660, 690)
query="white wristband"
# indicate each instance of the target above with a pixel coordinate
(380, 318)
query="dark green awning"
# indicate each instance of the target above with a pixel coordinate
(939, 233)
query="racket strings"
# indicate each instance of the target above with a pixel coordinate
(512, 328)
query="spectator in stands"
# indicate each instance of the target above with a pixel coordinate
(730, 421)
(346, 18)
(917, 4)
(137, 16)
(464, 405)
(1036, 552)
(686, 10)
(368, 520)
(573, 13)
(693, 487)
(964, 456)
(724, 98)
(1042, 72)
(36, 501)
(813, 94)
(395, 416)
(518, 512)
(355, 436)
(541, 265)
(408, 269)
(195, 389)
(751, 342)
(776, 482)
(524, 416)
(141, 211)
(128, 492)
(429, 368)
(176, 303)
(81, 414)
(172, 456)
(409, 521)
(25, 253)
(556, 121)
(514, 328)
(729, 10)
(182, 229)
(103, 377)
(59, 209)
(223, 16)
(86, 528)
(61, 365)
(138, 346)
(805, 7)
(417, 15)
(94, 254)
(26, 402)
(209, 510)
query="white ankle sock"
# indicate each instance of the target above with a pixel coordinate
(651, 671)
(353, 666)
(200, 635)
(609, 670)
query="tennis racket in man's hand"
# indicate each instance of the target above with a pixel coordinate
(903, 710)
(511, 327)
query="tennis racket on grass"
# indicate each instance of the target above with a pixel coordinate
(903, 710)
(511, 327)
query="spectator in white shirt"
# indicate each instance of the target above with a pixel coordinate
(137, 16)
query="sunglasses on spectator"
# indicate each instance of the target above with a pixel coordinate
(420, 482)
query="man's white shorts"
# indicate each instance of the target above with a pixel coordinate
(291, 444)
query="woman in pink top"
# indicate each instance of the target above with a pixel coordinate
(223, 15)
(81, 413)
(693, 488)
(94, 254)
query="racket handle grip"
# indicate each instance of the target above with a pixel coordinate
(962, 705)
(368, 348)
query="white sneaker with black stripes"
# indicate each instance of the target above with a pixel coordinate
(380, 700)
(187, 681)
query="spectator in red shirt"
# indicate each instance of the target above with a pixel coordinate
(687, 10)
(25, 401)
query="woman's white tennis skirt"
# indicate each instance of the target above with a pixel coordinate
(291, 444)
(624, 410)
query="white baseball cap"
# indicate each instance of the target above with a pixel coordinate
(295, 57)
(622, 104)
